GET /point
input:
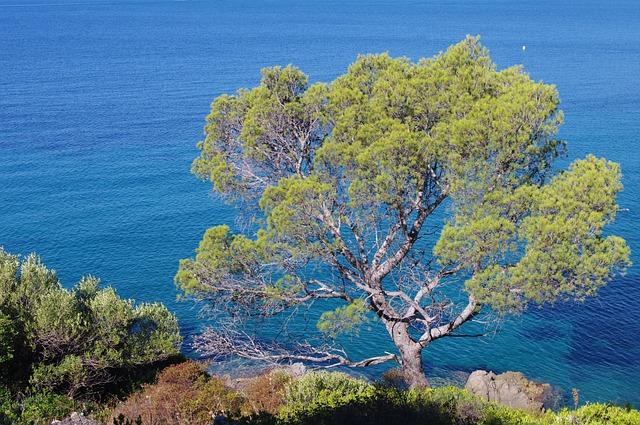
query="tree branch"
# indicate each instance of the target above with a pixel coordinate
(335, 232)
(220, 344)
(386, 267)
(465, 315)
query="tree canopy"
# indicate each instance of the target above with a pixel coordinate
(347, 184)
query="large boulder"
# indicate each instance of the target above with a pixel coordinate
(75, 419)
(512, 389)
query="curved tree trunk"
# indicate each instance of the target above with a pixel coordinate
(410, 354)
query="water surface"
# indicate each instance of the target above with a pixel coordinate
(102, 102)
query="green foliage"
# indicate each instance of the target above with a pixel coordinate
(77, 341)
(600, 413)
(344, 318)
(334, 388)
(566, 255)
(185, 394)
(8, 409)
(223, 253)
(362, 403)
(325, 398)
(316, 392)
(7, 335)
(342, 178)
(484, 138)
(42, 408)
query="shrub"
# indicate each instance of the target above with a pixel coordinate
(265, 393)
(394, 378)
(458, 404)
(598, 413)
(501, 415)
(42, 408)
(325, 387)
(379, 405)
(8, 413)
(183, 374)
(360, 403)
(121, 420)
(158, 403)
(314, 394)
(183, 394)
(211, 398)
(7, 334)
(77, 341)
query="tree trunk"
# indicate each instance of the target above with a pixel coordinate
(410, 355)
(412, 370)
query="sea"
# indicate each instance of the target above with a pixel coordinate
(102, 103)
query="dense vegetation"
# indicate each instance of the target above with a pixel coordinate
(184, 394)
(61, 347)
(347, 184)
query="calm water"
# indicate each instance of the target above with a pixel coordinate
(101, 104)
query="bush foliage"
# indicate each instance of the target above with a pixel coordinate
(59, 345)
(42, 408)
(184, 394)
(265, 393)
(7, 407)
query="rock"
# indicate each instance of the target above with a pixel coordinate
(75, 419)
(512, 389)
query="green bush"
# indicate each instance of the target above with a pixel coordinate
(331, 398)
(184, 394)
(449, 404)
(7, 335)
(324, 387)
(501, 415)
(42, 408)
(76, 341)
(377, 405)
(8, 413)
(598, 413)
(317, 391)
(324, 398)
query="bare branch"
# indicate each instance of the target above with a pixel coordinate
(227, 342)
(256, 295)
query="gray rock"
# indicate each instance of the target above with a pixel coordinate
(75, 419)
(512, 389)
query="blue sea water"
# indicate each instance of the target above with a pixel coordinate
(102, 102)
